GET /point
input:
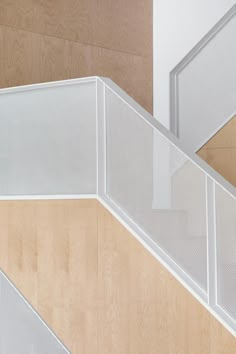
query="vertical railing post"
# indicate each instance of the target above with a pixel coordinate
(161, 173)
(211, 242)
(101, 138)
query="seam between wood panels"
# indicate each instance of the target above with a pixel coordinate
(218, 148)
(74, 41)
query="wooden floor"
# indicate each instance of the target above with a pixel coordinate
(97, 287)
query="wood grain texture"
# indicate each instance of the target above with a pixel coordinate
(223, 160)
(119, 25)
(49, 250)
(225, 138)
(28, 58)
(220, 151)
(97, 287)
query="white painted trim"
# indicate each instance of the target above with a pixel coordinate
(48, 197)
(101, 139)
(211, 242)
(97, 144)
(155, 57)
(161, 183)
(35, 312)
(105, 140)
(161, 196)
(48, 85)
(224, 318)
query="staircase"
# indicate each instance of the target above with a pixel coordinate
(86, 138)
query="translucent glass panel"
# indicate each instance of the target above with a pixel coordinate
(21, 331)
(48, 140)
(226, 250)
(180, 228)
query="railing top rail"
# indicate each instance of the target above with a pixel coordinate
(205, 40)
(44, 85)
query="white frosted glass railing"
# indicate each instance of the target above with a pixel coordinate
(48, 139)
(21, 329)
(226, 251)
(88, 138)
(185, 236)
(180, 230)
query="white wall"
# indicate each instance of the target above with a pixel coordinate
(178, 27)
(206, 88)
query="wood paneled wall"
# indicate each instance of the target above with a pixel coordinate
(50, 40)
(220, 151)
(97, 286)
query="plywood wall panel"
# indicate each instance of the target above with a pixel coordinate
(118, 25)
(29, 58)
(130, 72)
(113, 287)
(44, 40)
(55, 264)
(224, 138)
(220, 151)
(97, 287)
(223, 160)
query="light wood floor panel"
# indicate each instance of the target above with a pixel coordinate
(122, 26)
(97, 287)
(27, 58)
